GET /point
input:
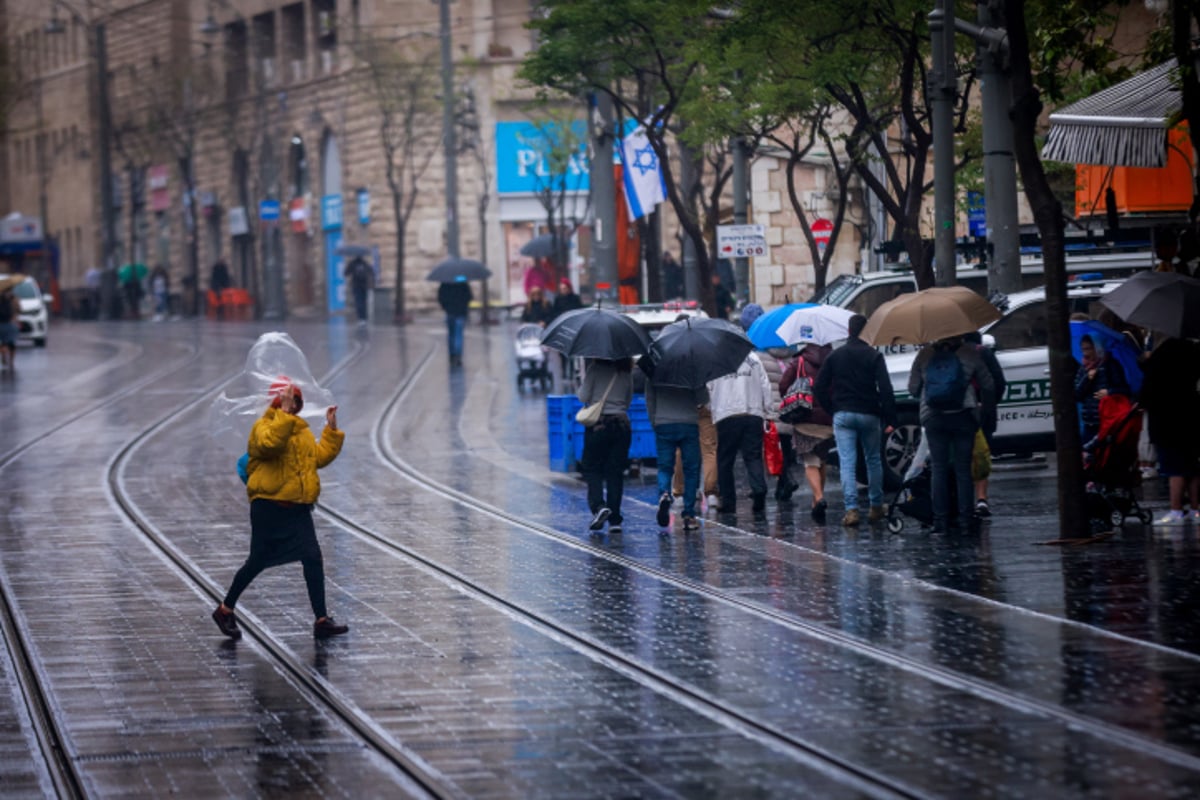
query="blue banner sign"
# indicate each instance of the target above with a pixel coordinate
(331, 212)
(525, 150)
(976, 214)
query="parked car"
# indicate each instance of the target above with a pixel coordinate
(1026, 418)
(866, 292)
(34, 321)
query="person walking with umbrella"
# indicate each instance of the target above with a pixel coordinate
(854, 386)
(740, 403)
(1097, 377)
(1171, 397)
(360, 274)
(606, 444)
(455, 299)
(953, 384)
(283, 485)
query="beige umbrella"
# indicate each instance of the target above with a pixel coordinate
(9, 281)
(929, 315)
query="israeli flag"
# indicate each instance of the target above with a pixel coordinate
(644, 184)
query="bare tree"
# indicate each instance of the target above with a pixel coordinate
(401, 77)
(471, 142)
(561, 148)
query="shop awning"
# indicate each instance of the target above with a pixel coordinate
(1124, 125)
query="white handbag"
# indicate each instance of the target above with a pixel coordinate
(590, 414)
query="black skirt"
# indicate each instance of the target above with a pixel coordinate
(281, 534)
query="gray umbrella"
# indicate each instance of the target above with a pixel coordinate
(1166, 302)
(354, 250)
(543, 246)
(454, 270)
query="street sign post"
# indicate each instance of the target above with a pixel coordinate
(741, 241)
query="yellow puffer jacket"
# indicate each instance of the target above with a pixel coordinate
(285, 457)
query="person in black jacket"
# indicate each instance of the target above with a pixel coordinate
(455, 300)
(988, 414)
(854, 387)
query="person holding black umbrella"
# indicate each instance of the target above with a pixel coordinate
(455, 300)
(740, 403)
(606, 444)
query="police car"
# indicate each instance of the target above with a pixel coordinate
(1019, 338)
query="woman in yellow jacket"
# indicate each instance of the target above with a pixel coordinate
(283, 485)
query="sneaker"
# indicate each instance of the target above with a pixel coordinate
(325, 628)
(1149, 473)
(876, 513)
(981, 508)
(713, 501)
(615, 528)
(818, 511)
(664, 510)
(1171, 519)
(851, 518)
(227, 622)
(691, 524)
(601, 517)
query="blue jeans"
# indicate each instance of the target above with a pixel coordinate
(454, 332)
(852, 429)
(686, 438)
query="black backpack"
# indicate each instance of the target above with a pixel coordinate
(945, 381)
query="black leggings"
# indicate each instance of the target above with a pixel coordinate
(280, 535)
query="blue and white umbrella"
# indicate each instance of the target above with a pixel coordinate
(762, 331)
(815, 324)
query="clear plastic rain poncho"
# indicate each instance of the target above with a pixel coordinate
(274, 360)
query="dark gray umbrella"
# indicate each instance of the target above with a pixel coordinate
(544, 246)
(456, 270)
(694, 351)
(1166, 302)
(596, 333)
(354, 251)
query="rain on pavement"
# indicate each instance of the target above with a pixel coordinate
(498, 649)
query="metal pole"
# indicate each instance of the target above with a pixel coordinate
(999, 164)
(741, 266)
(450, 146)
(108, 236)
(942, 88)
(687, 181)
(604, 200)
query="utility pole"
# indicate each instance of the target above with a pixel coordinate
(999, 164)
(741, 266)
(687, 182)
(943, 86)
(604, 199)
(108, 234)
(449, 143)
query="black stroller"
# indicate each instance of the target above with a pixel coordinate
(914, 498)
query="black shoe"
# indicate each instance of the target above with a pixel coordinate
(784, 491)
(664, 510)
(759, 502)
(818, 512)
(325, 628)
(615, 528)
(601, 517)
(227, 622)
(982, 509)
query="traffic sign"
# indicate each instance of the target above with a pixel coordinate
(822, 230)
(741, 241)
(268, 210)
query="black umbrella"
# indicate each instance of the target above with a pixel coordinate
(544, 246)
(454, 270)
(354, 251)
(694, 351)
(596, 333)
(1166, 302)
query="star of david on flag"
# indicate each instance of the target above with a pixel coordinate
(643, 178)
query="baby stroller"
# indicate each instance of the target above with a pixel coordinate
(915, 495)
(531, 357)
(1110, 466)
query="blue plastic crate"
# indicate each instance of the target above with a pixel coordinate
(561, 431)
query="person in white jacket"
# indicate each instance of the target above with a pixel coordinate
(740, 403)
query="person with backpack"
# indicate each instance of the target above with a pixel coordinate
(10, 312)
(855, 388)
(953, 383)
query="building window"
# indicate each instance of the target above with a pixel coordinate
(295, 49)
(236, 73)
(325, 30)
(264, 50)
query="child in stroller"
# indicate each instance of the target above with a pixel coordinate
(1110, 466)
(531, 357)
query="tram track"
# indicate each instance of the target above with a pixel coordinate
(988, 692)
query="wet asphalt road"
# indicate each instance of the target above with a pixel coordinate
(497, 649)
